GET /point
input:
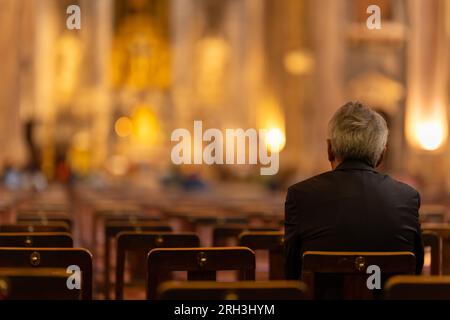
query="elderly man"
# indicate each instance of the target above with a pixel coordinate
(353, 207)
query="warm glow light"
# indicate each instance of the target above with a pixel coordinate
(299, 62)
(123, 127)
(275, 140)
(271, 117)
(69, 50)
(430, 135)
(80, 152)
(427, 128)
(212, 54)
(146, 127)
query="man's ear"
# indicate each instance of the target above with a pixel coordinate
(331, 156)
(381, 157)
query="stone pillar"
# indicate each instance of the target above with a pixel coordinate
(185, 19)
(289, 73)
(16, 41)
(46, 28)
(427, 79)
(328, 31)
(102, 23)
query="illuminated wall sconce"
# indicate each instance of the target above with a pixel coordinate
(271, 118)
(429, 131)
(275, 139)
(430, 135)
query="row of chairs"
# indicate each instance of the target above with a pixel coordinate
(114, 228)
(270, 241)
(227, 227)
(30, 235)
(397, 288)
(230, 228)
(41, 273)
(116, 220)
(123, 221)
(202, 264)
(139, 243)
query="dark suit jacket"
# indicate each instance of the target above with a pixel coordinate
(352, 208)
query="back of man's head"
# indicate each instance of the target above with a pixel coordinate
(357, 132)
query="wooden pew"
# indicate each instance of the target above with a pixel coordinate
(434, 242)
(271, 241)
(223, 233)
(44, 218)
(433, 213)
(35, 284)
(142, 243)
(343, 275)
(200, 264)
(241, 290)
(54, 258)
(30, 227)
(443, 230)
(36, 239)
(196, 219)
(103, 213)
(418, 288)
(112, 229)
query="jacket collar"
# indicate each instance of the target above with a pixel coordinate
(354, 165)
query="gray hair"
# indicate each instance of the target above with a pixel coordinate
(356, 132)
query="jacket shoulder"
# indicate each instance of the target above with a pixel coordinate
(403, 187)
(311, 183)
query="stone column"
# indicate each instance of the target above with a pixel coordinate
(328, 30)
(427, 80)
(102, 24)
(16, 41)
